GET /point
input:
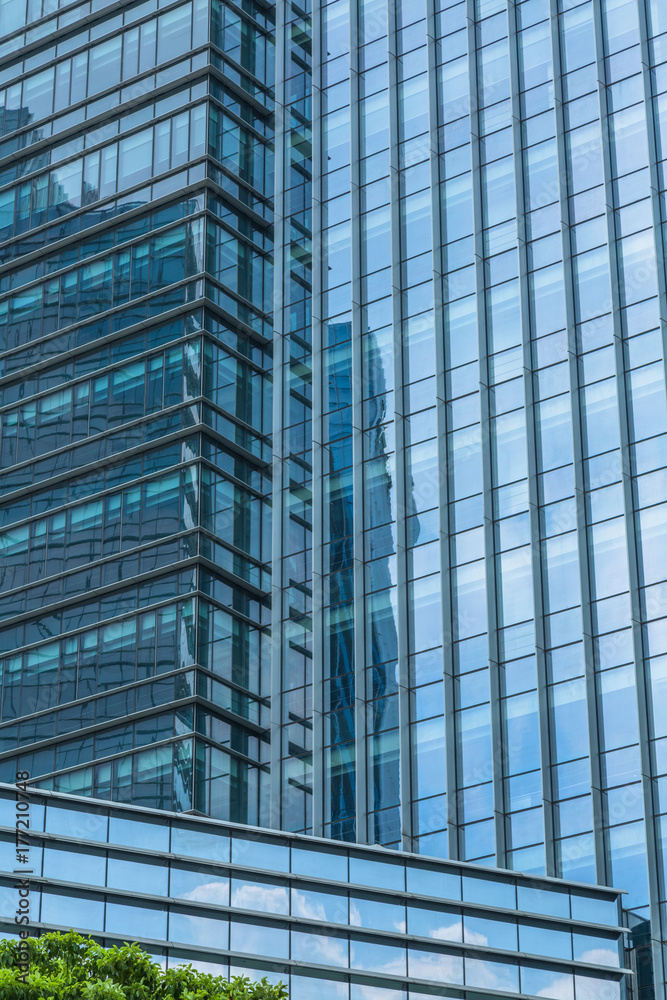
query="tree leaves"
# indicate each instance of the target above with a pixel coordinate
(71, 967)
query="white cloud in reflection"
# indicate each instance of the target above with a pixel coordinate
(390, 967)
(474, 937)
(307, 908)
(262, 898)
(451, 932)
(319, 948)
(560, 989)
(380, 925)
(443, 968)
(491, 975)
(589, 988)
(601, 956)
(209, 892)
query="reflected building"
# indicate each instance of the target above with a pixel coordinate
(333, 424)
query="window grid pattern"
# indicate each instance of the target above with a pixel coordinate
(104, 530)
(467, 647)
(248, 901)
(342, 766)
(293, 717)
(31, 97)
(518, 554)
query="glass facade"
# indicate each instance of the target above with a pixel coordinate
(136, 200)
(335, 922)
(333, 423)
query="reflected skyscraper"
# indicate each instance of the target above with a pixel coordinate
(334, 423)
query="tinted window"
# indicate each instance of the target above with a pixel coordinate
(195, 843)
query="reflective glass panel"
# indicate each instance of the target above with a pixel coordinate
(311, 904)
(206, 887)
(379, 915)
(78, 866)
(199, 929)
(75, 911)
(138, 833)
(259, 939)
(270, 855)
(192, 842)
(265, 897)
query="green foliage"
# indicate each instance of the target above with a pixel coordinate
(71, 967)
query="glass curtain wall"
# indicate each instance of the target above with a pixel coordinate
(492, 291)
(136, 181)
(428, 558)
(339, 922)
(293, 550)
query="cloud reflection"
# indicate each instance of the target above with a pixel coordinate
(209, 892)
(263, 898)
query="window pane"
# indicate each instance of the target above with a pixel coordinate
(135, 159)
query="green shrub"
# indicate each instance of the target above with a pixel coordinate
(71, 967)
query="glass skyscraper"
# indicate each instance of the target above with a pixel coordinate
(334, 423)
(137, 191)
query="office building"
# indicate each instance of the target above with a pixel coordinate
(336, 922)
(117, 358)
(334, 423)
